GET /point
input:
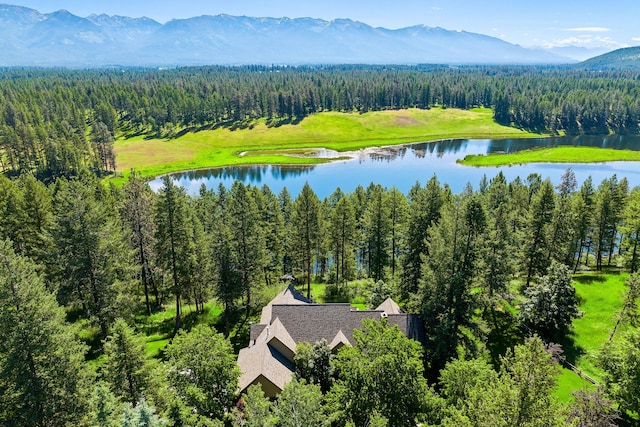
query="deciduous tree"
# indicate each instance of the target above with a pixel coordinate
(203, 371)
(386, 368)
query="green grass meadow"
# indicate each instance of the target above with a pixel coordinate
(601, 296)
(264, 144)
(552, 155)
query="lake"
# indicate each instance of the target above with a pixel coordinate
(401, 166)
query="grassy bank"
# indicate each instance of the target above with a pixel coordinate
(338, 131)
(553, 155)
(601, 296)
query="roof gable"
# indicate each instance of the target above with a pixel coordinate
(289, 295)
(263, 360)
(389, 306)
(338, 341)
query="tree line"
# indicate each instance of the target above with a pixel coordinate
(58, 122)
(93, 242)
(107, 254)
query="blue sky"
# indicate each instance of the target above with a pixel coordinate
(586, 23)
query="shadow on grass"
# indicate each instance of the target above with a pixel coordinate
(276, 123)
(90, 336)
(572, 351)
(505, 333)
(589, 279)
(164, 326)
(231, 125)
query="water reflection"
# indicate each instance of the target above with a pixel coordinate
(401, 166)
(251, 173)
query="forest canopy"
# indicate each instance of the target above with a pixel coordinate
(57, 122)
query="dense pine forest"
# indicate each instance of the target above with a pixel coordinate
(57, 122)
(121, 306)
(83, 269)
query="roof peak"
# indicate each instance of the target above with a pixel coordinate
(389, 306)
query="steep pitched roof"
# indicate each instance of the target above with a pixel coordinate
(278, 337)
(389, 306)
(339, 340)
(289, 295)
(290, 318)
(264, 360)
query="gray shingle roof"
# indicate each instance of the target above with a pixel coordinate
(290, 318)
(389, 306)
(314, 322)
(263, 359)
(289, 295)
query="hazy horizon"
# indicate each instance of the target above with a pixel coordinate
(589, 24)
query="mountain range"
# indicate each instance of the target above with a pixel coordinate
(31, 38)
(621, 59)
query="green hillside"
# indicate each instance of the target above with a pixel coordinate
(621, 59)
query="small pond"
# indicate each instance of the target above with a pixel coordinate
(401, 166)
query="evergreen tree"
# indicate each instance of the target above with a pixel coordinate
(142, 415)
(105, 410)
(342, 232)
(424, 212)
(535, 244)
(629, 312)
(137, 215)
(36, 218)
(377, 230)
(174, 241)
(563, 222)
(582, 209)
(286, 208)
(620, 360)
(306, 229)
(126, 368)
(398, 210)
(43, 380)
(631, 230)
(227, 286)
(273, 226)
(497, 262)
(248, 244)
(446, 289)
(93, 258)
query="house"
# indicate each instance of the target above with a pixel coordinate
(291, 318)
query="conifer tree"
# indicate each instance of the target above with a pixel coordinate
(173, 241)
(43, 380)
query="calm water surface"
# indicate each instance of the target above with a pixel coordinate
(402, 166)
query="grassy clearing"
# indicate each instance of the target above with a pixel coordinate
(601, 296)
(332, 130)
(552, 155)
(158, 328)
(355, 292)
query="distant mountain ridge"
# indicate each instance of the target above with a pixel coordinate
(627, 58)
(30, 38)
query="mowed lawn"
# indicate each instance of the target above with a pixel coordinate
(332, 130)
(563, 154)
(601, 297)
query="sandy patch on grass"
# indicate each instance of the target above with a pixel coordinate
(406, 121)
